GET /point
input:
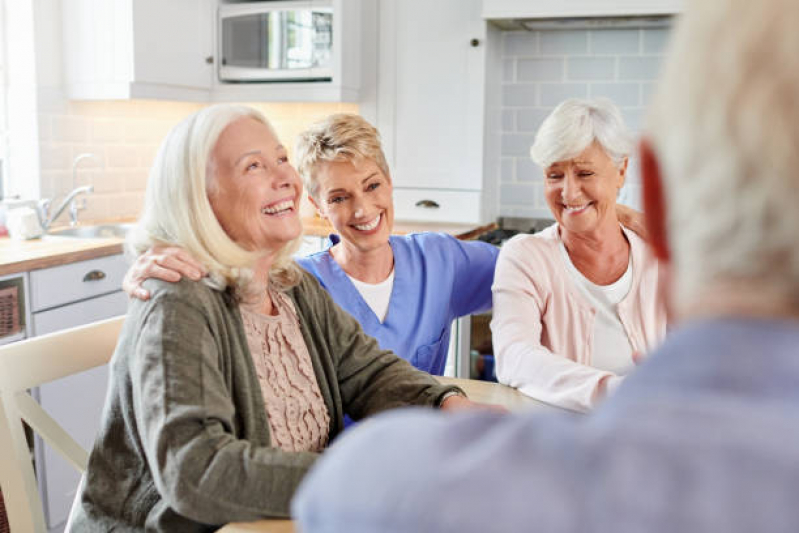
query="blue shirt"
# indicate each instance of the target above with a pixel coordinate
(703, 437)
(437, 279)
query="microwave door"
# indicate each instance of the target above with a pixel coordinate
(277, 45)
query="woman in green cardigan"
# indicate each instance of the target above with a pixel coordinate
(224, 391)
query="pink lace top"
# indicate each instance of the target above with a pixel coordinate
(298, 416)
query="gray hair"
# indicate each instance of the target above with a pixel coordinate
(177, 210)
(725, 127)
(574, 125)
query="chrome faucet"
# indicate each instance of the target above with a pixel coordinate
(70, 199)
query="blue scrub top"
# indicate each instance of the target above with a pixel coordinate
(437, 279)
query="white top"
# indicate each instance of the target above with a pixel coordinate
(610, 347)
(376, 295)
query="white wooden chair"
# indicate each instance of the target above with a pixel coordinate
(27, 364)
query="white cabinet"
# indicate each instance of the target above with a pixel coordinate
(167, 50)
(138, 49)
(63, 297)
(430, 107)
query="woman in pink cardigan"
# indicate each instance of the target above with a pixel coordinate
(577, 304)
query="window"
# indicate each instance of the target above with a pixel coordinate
(3, 105)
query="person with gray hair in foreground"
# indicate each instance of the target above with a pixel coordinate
(700, 437)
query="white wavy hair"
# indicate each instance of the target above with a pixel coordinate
(177, 210)
(574, 125)
(725, 127)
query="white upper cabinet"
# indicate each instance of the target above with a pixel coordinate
(138, 49)
(430, 106)
(168, 50)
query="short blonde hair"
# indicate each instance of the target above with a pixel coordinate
(725, 128)
(177, 210)
(339, 137)
(574, 125)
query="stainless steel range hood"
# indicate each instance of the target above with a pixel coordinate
(584, 23)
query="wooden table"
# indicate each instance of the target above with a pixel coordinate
(478, 391)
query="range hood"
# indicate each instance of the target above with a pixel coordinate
(579, 14)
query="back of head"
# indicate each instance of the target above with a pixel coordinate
(339, 137)
(725, 129)
(575, 124)
(177, 210)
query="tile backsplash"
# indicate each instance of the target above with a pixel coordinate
(541, 69)
(124, 137)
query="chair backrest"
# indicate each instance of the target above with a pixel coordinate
(27, 364)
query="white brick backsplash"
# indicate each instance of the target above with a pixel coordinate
(530, 119)
(146, 155)
(554, 93)
(507, 173)
(615, 42)
(569, 42)
(519, 43)
(519, 194)
(622, 94)
(655, 40)
(516, 143)
(519, 95)
(508, 120)
(106, 131)
(55, 157)
(508, 70)
(133, 180)
(70, 129)
(639, 68)
(528, 171)
(539, 69)
(104, 182)
(647, 91)
(124, 156)
(590, 68)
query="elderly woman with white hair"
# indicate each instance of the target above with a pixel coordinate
(224, 391)
(576, 305)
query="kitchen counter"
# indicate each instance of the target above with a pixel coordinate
(52, 250)
(321, 228)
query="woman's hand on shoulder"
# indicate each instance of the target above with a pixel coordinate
(456, 402)
(167, 263)
(632, 220)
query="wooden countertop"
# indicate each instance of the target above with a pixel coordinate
(52, 250)
(321, 228)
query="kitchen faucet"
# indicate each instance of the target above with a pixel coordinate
(70, 200)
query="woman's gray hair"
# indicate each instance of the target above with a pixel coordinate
(725, 127)
(574, 125)
(177, 211)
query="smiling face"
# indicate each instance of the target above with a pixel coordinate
(356, 197)
(254, 191)
(581, 192)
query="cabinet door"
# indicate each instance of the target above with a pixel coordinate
(430, 98)
(171, 41)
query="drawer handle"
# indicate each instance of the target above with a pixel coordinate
(427, 204)
(94, 275)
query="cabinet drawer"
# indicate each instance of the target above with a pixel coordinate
(436, 205)
(51, 287)
(77, 314)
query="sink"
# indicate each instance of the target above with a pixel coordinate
(102, 231)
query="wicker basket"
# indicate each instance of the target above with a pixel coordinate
(9, 313)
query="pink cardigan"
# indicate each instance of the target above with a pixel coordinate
(542, 326)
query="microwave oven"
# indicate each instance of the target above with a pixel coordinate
(276, 41)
